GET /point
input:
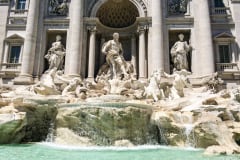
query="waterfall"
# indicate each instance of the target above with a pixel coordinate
(186, 121)
(51, 131)
(187, 132)
(162, 134)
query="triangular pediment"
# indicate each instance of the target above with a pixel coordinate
(224, 35)
(14, 37)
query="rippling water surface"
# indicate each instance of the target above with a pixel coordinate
(48, 151)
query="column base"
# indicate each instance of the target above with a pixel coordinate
(91, 79)
(23, 79)
(73, 76)
(142, 79)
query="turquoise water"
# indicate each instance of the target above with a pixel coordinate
(51, 152)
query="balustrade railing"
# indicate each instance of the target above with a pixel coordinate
(221, 11)
(227, 67)
(11, 66)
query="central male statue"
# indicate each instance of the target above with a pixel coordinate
(114, 56)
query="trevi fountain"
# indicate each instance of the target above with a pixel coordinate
(117, 116)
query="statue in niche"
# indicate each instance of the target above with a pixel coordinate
(177, 6)
(114, 57)
(59, 8)
(55, 55)
(179, 53)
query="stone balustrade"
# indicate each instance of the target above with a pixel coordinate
(227, 67)
(221, 11)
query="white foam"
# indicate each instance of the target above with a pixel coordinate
(113, 148)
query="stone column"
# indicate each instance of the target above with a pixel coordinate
(142, 52)
(204, 44)
(134, 54)
(91, 59)
(157, 58)
(29, 44)
(73, 55)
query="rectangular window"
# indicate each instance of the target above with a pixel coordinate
(219, 3)
(14, 54)
(224, 52)
(21, 4)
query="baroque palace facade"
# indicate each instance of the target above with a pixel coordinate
(147, 28)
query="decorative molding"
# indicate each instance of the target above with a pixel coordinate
(4, 1)
(92, 28)
(235, 1)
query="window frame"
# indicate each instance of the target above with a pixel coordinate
(225, 58)
(10, 52)
(19, 6)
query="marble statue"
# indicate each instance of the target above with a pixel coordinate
(58, 8)
(153, 89)
(55, 55)
(179, 83)
(179, 53)
(46, 85)
(215, 83)
(72, 87)
(114, 57)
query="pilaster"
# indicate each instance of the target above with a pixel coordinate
(204, 43)
(157, 58)
(28, 56)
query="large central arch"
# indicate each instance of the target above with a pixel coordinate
(140, 5)
(129, 19)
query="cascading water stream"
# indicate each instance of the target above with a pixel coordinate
(186, 120)
(51, 131)
(189, 139)
(163, 140)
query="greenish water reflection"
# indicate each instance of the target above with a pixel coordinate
(51, 152)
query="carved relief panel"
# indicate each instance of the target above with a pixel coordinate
(58, 7)
(177, 7)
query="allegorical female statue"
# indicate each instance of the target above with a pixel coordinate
(179, 53)
(55, 55)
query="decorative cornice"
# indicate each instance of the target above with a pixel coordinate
(4, 2)
(235, 1)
